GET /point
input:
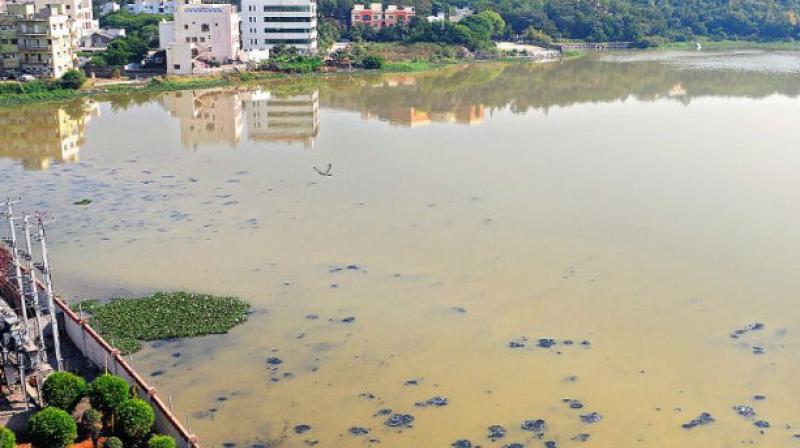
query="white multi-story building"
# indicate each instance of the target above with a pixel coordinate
(155, 6)
(201, 36)
(268, 23)
(79, 12)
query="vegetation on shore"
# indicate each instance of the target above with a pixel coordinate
(126, 323)
(107, 408)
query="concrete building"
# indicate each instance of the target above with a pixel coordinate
(376, 16)
(79, 12)
(155, 6)
(455, 15)
(267, 23)
(99, 39)
(36, 41)
(200, 37)
(108, 7)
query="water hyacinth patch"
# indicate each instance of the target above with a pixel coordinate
(128, 322)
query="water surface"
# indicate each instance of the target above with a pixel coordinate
(646, 203)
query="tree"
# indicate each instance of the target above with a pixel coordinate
(108, 392)
(63, 389)
(135, 419)
(72, 79)
(7, 438)
(113, 442)
(52, 428)
(92, 423)
(373, 62)
(538, 37)
(161, 442)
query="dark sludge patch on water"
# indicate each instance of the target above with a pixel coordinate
(400, 421)
(434, 401)
(745, 411)
(534, 425)
(755, 326)
(496, 432)
(703, 419)
(358, 431)
(573, 403)
(591, 418)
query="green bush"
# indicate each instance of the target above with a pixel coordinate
(52, 428)
(72, 79)
(63, 390)
(9, 440)
(92, 423)
(160, 442)
(135, 419)
(373, 62)
(108, 392)
(113, 442)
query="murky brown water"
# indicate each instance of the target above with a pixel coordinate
(644, 202)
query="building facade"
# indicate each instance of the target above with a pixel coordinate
(377, 17)
(269, 23)
(155, 6)
(36, 41)
(79, 12)
(200, 37)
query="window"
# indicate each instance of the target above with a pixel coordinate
(177, 66)
(186, 27)
(205, 28)
(287, 19)
(287, 8)
(287, 30)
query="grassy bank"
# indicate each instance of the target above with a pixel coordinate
(126, 323)
(732, 45)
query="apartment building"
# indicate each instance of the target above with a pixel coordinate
(79, 12)
(376, 16)
(282, 118)
(155, 6)
(268, 23)
(200, 37)
(36, 41)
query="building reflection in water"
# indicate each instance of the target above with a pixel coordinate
(282, 118)
(416, 116)
(207, 117)
(40, 136)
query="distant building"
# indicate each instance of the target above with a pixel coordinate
(455, 15)
(268, 23)
(201, 36)
(36, 41)
(100, 39)
(377, 17)
(108, 7)
(155, 6)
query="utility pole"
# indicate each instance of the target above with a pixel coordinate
(34, 291)
(48, 279)
(15, 259)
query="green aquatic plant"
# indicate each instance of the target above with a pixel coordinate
(127, 322)
(82, 202)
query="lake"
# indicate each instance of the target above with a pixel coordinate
(408, 237)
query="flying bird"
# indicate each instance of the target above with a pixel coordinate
(326, 173)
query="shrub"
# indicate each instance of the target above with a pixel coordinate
(113, 442)
(64, 390)
(52, 428)
(72, 79)
(135, 419)
(161, 442)
(9, 440)
(92, 423)
(373, 62)
(108, 392)
(115, 72)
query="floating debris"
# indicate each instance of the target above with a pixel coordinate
(550, 444)
(300, 429)
(462, 443)
(274, 361)
(545, 343)
(82, 202)
(703, 419)
(400, 421)
(756, 326)
(349, 319)
(759, 397)
(384, 411)
(496, 432)
(582, 437)
(358, 431)
(536, 425)
(435, 401)
(745, 411)
(573, 403)
(412, 382)
(758, 350)
(591, 418)
(763, 424)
